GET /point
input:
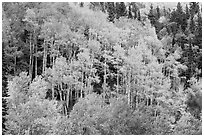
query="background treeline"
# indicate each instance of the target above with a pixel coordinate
(101, 68)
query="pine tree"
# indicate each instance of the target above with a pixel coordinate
(129, 12)
(158, 13)
(134, 9)
(179, 13)
(164, 12)
(117, 10)
(120, 9)
(151, 16)
(81, 4)
(102, 6)
(111, 11)
(4, 92)
(199, 25)
(194, 8)
(198, 31)
(139, 17)
(192, 25)
(187, 12)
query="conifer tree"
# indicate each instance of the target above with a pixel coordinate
(158, 13)
(194, 8)
(151, 16)
(179, 14)
(199, 29)
(164, 11)
(102, 4)
(187, 13)
(134, 9)
(111, 11)
(5, 69)
(122, 9)
(129, 12)
(117, 10)
(192, 25)
(81, 4)
(139, 16)
(4, 92)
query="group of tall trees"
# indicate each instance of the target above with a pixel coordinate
(183, 27)
(116, 10)
(97, 68)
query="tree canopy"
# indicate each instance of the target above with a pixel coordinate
(103, 68)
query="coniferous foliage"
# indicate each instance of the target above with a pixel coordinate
(111, 11)
(4, 93)
(151, 15)
(101, 68)
(129, 12)
(158, 13)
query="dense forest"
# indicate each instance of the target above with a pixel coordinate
(104, 68)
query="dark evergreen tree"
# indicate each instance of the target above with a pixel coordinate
(192, 25)
(102, 6)
(151, 16)
(139, 16)
(179, 14)
(117, 10)
(173, 16)
(81, 4)
(164, 11)
(4, 91)
(198, 31)
(158, 13)
(134, 9)
(111, 11)
(120, 9)
(182, 20)
(199, 25)
(187, 13)
(129, 12)
(194, 8)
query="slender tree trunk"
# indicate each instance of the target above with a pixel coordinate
(15, 58)
(63, 99)
(30, 63)
(85, 84)
(68, 98)
(136, 99)
(82, 79)
(36, 61)
(33, 50)
(44, 58)
(53, 92)
(46, 50)
(129, 86)
(53, 61)
(50, 59)
(124, 86)
(71, 97)
(61, 89)
(105, 72)
(117, 79)
(43, 68)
